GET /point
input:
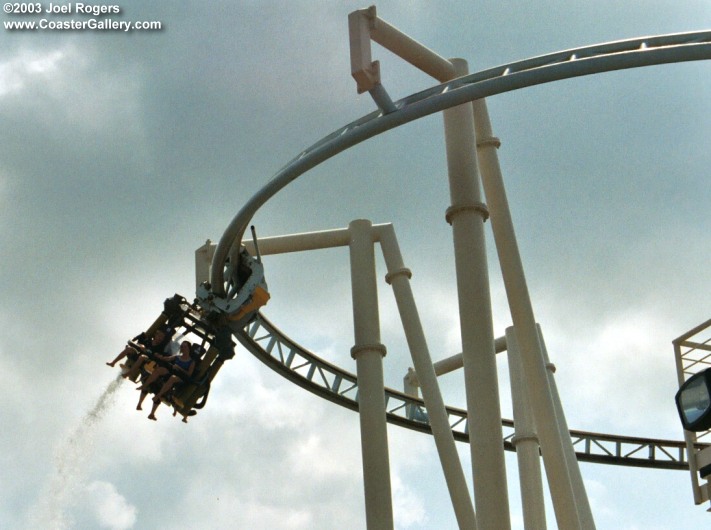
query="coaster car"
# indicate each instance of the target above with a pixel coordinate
(244, 293)
(211, 346)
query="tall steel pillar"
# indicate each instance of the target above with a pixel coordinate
(525, 441)
(570, 514)
(399, 278)
(581, 497)
(368, 353)
(466, 215)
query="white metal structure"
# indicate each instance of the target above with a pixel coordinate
(692, 353)
(471, 147)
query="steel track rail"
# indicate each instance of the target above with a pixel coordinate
(611, 56)
(307, 370)
(326, 380)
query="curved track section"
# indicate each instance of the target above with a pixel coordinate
(567, 64)
(330, 382)
(309, 371)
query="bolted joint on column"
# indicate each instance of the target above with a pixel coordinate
(362, 348)
(371, 15)
(520, 438)
(404, 271)
(367, 78)
(550, 367)
(478, 207)
(491, 141)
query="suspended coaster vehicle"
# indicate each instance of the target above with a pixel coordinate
(205, 323)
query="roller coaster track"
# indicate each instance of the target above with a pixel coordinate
(557, 66)
(328, 381)
(300, 366)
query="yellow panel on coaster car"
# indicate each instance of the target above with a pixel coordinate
(259, 298)
(245, 292)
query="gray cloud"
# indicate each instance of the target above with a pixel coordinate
(121, 153)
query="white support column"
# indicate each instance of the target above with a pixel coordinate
(534, 366)
(581, 496)
(466, 215)
(455, 362)
(368, 353)
(525, 441)
(399, 277)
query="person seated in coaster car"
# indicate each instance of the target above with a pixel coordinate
(181, 370)
(154, 379)
(159, 342)
(188, 396)
(160, 353)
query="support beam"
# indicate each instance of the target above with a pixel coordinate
(466, 215)
(526, 442)
(533, 362)
(364, 25)
(399, 278)
(581, 496)
(368, 353)
(455, 362)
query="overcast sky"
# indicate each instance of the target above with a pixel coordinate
(121, 153)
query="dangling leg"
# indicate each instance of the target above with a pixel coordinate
(133, 372)
(158, 371)
(170, 383)
(144, 393)
(156, 404)
(120, 356)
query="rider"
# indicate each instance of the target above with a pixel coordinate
(182, 369)
(162, 351)
(157, 343)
